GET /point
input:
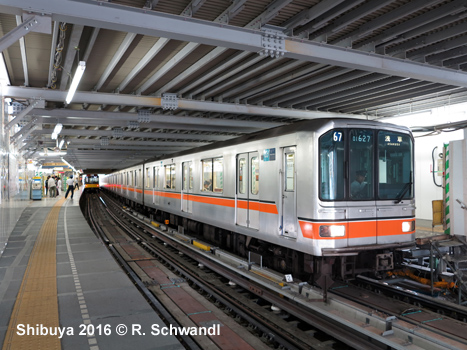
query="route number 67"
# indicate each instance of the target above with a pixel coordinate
(337, 136)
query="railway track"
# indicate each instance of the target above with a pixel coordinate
(270, 327)
(305, 321)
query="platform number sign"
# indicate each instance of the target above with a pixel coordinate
(337, 136)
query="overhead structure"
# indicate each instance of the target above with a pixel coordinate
(169, 75)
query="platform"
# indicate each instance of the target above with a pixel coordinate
(56, 273)
(423, 229)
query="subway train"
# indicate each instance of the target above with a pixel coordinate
(319, 199)
(91, 182)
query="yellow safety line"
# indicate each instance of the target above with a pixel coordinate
(37, 300)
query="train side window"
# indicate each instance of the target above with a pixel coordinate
(213, 175)
(242, 176)
(148, 178)
(140, 178)
(218, 174)
(290, 172)
(331, 161)
(187, 181)
(254, 175)
(154, 177)
(170, 176)
(207, 175)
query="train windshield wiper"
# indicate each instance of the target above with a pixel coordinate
(402, 192)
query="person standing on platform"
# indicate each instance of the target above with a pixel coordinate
(76, 183)
(59, 185)
(52, 187)
(71, 187)
(47, 185)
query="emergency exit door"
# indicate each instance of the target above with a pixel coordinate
(247, 203)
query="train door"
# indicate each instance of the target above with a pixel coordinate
(187, 186)
(361, 211)
(127, 184)
(247, 203)
(135, 185)
(156, 185)
(289, 194)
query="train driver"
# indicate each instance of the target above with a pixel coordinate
(358, 186)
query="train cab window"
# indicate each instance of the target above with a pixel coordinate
(254, 175)
(170, 176)
(361, 164)
(332, 161)
(213, 175)
(395, 166)
(242, 175)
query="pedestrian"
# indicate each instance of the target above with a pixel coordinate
(47, 185)
(71, 187)
(52, 187)
(59, 185)
(77, 183)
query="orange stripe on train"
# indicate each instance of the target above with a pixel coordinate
(224, 202)
(357, 229)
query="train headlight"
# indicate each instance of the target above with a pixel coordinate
(408, 226)
(332, 231)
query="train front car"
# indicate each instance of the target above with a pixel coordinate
(91, 182)
(364, 210)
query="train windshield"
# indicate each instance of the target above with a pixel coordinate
(377, 165)
(395, 166)
(92, 179)
(332, 165)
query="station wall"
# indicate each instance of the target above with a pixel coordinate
(15, 183)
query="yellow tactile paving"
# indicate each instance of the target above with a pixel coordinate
(37, 302)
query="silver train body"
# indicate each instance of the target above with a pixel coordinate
(291, 187)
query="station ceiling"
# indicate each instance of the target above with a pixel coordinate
(168, 75)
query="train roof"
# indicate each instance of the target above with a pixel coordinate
(301, 126)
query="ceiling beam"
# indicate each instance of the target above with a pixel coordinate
(183, 104)
(159, 118)
(155, 125)
(73, 44)
(17, 33)
(24, 60)
(137, 134)
(120, 18)
(115, 59)
(52, 52)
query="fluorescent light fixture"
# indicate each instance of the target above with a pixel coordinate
(58, 128)
(62, 141)
(56, 131)
(74, 84)
(52, 154)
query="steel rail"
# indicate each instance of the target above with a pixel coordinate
(156, 304)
